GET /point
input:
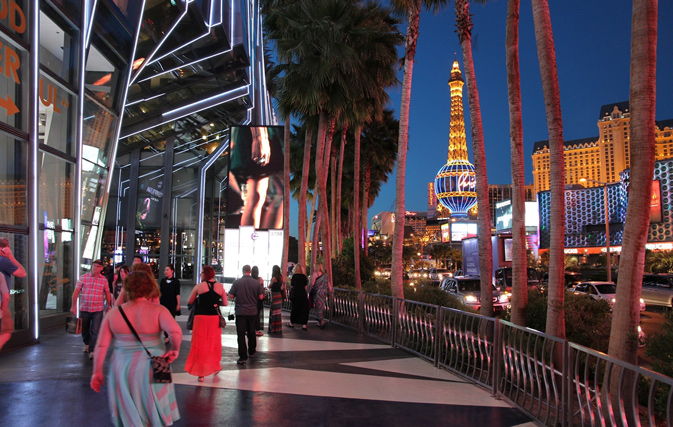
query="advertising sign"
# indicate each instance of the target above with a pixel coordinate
(255, 189)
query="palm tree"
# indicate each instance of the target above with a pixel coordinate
(464, 29)
(519, 264)
(626, 314)
(380, 145)
(412, 9)
(547, 57)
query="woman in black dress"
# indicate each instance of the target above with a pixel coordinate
(259, 322)
(170, 291)
(299, 297)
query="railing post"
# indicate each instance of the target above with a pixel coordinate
(439, 333)
(361, 312)
(497, 355)
(566, 406)
(396, 315)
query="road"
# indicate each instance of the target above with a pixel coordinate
(651, 321)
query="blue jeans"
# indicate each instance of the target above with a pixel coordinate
(91, 321)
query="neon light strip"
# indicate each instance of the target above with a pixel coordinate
(33, 144)
(123, 105)
(88, 22)
(207, 31)
(197, 105)
(156, 49)
(183, 66)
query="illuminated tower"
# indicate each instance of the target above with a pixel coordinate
(455, 183)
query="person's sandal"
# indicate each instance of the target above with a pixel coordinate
(259, 333)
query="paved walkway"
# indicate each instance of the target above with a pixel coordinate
(330, 377)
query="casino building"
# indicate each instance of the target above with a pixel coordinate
(114, 136)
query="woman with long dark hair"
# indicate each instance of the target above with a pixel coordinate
(118, 284)
(259, 323)
(275, 316)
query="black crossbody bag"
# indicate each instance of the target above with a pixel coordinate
(161, 369)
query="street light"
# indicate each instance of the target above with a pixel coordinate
(607, 223)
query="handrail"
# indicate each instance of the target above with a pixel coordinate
(556, 382)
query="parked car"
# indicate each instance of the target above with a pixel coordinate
(467, 289)
(658, 289)
(601, 290)
(438, 274)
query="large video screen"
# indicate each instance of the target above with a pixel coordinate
(255, 190)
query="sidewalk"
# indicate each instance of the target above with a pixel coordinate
(329, 377)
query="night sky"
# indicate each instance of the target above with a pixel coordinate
(592, 41)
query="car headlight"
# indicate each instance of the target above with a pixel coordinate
(612, 301)
(642, 301)
(503, 298)
(377, 273)
(470, 298)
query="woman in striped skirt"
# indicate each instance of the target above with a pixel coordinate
(275, 317)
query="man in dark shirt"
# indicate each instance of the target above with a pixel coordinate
(246, 291)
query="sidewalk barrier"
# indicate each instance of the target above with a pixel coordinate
(556, 382)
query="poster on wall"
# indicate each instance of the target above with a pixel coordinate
(255, 188)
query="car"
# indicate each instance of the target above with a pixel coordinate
(418, 274)
(601, 290)
(467, 289)
(658, 289)
(438, 274)
(503, 279)
(382, 272)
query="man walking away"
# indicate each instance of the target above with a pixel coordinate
(93, 290)
(246, 291)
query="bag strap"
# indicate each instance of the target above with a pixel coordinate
(133, 330)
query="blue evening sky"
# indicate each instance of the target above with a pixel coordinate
(592, 39)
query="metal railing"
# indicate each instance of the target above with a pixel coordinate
(556, 382)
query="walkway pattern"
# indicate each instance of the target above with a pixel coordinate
(329, 377)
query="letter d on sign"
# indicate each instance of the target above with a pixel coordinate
(17, 19)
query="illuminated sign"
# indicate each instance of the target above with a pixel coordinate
(655, 204)
(462, 230)
(445, 232)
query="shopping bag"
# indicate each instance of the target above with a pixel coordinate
(73, 325)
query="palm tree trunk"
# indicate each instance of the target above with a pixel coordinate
(333, 199)
(547, 57)
(413, 20)
(464, 23)
(302, 229)
(626, 313)
(315, 243)
(366, 185)
(325, 227)
(320, 172)
(286, 192)
(356, 208)
(337, 219)
(519, 261)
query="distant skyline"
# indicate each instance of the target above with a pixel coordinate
(593, 46)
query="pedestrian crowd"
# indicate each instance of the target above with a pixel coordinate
(134, 315)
